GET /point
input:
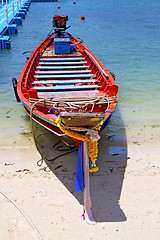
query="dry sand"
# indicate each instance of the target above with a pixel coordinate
(125, 195)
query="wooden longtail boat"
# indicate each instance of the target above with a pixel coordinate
(66, 89)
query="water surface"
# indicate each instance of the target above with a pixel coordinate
(123, 35)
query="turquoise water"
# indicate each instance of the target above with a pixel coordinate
(124, 35)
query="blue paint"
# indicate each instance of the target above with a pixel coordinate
(21, 14)
(73, 48)
(3, 23)
(106, 122)
(23, 11)
(4, 42)
(13, 20)
(17, 20)
(12, 28)
(25, 7)
(62, 45)
(44, 0)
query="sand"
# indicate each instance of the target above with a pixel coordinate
(125, 195)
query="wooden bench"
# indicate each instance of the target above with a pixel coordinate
(64, 81)
(65, 88)
(63, 76)
(63, 72)
(74, 94)
(61, 67)
(62, 59)
(62, 63)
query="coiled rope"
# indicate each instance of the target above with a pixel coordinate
(72, 104)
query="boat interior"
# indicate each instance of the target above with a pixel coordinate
(75, 74)
(62, 75)
(62, 68)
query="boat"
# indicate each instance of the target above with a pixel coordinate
(68, 91)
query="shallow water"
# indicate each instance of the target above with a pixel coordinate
(123, 35)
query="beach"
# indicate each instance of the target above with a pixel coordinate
(125, 193)
(125, 196)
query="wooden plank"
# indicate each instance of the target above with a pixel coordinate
(63, 72)
(62, 59)
(63, 76)
(64, 81)
(74, 94)
(65, 88)
(61, 67)
(62, 63)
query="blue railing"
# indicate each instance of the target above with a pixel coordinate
(8, 11)
(11, 14)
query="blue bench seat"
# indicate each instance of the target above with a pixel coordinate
(64, 81)
(63, 76)
(62, 59)
(62, 63)
(63, 72)
(61, 67)
(65, 88)
(80, 93)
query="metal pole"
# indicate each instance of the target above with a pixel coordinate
(2, 3)
(13, 8)
(6, 14)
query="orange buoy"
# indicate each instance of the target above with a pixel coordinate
(59, 7)
(82, 17)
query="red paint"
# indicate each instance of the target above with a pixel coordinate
(48, 125)
(60, 17)
(33, 93)
(25, 87)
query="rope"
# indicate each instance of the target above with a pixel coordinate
(20, 210)
(40, 162)
(93, 145)
(64, 105)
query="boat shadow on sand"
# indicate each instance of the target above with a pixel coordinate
(105, 185)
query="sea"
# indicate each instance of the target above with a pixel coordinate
(123, 34)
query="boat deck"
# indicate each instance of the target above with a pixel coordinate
(49, 52)
(64, 74)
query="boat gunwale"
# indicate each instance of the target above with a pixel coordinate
(39, 50)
